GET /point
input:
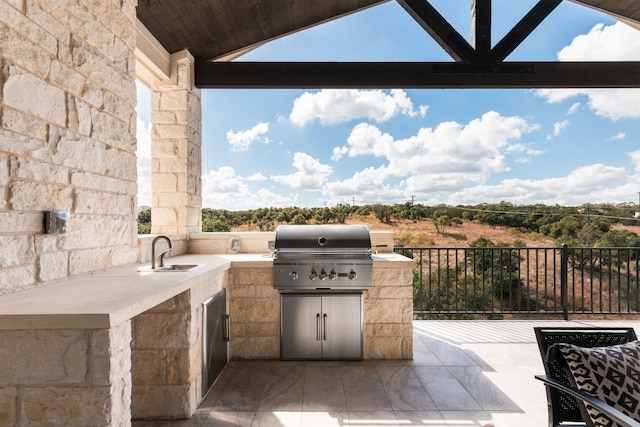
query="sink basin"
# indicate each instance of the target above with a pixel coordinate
(178, 267)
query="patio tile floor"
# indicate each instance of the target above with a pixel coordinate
(464, 374)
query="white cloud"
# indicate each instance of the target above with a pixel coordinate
(256, 177)
(558, 127)
(618, 136)
(310, 173)
(604, 43)
(224, 189)
(242, 140)
(338, 152)
(143, 155)
(594, 183)
(635, 158)
(443, 159)
(617, 42)
(574, 108)
(527, 153)
(333, 106)
(223, 180)
(472, 151)
(367, 186)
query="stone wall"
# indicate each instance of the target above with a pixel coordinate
(69, 377)
(166, 355)
(176, 163)
(67, 137)
(255, 314)
(388, 314)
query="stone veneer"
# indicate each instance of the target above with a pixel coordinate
(66, 377)
(167, 354)
(67, 138)
(176, 164)
(388, 313)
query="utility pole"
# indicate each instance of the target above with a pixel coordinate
(353, 200)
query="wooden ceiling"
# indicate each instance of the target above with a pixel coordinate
(224, 29)
(217, 31)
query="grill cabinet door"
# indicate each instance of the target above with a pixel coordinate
(321, 326)
(215, 337)
(301, 323)
(341, 326)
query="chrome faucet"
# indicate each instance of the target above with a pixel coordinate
(162, 254)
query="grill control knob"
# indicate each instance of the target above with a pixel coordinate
(352, 275)
(323, 274)
(333, 275)
(293, 275)
(313, 275)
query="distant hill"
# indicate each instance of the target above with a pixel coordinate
(425, 234)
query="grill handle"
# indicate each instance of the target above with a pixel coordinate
(226, 327)
(324, 326)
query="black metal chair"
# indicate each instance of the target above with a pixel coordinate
(561, 396)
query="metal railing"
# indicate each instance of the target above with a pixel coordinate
(492, 282)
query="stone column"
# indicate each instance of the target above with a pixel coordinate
(176, 158)
(166, 360)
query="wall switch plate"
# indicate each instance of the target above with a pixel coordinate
(55, 222)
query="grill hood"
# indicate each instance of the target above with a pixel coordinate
(323, 240)
(328, 257)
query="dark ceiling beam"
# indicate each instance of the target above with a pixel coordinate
(362, 75)
(481, 26)
(522, 29)
(440, 29)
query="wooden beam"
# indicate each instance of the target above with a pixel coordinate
(481, 26)
(439, 28)
(522, 29)
(417, 75)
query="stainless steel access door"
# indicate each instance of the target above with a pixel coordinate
(321, 326)
(215, 335)
(342, 327)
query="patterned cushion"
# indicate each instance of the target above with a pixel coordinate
(612, 374)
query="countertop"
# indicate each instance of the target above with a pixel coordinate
(105, 299)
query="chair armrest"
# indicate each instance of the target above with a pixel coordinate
(610, 411)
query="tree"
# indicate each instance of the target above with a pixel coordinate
(496, 265)
(211, 224)
(611, 243)
(447, 290)
(441, 222)
(144, 221)
(299, 219)
(382, 213)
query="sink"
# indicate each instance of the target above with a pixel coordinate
(178, 267)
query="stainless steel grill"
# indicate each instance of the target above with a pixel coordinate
(322, 257)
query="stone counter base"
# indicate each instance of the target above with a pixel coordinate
(255, 314)
(69, 377)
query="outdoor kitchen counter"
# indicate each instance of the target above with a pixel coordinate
(255, 308)
(104, 299)
(130, 340)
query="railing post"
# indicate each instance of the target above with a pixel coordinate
(564, 280)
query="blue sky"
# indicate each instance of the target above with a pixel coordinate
(313, 148)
